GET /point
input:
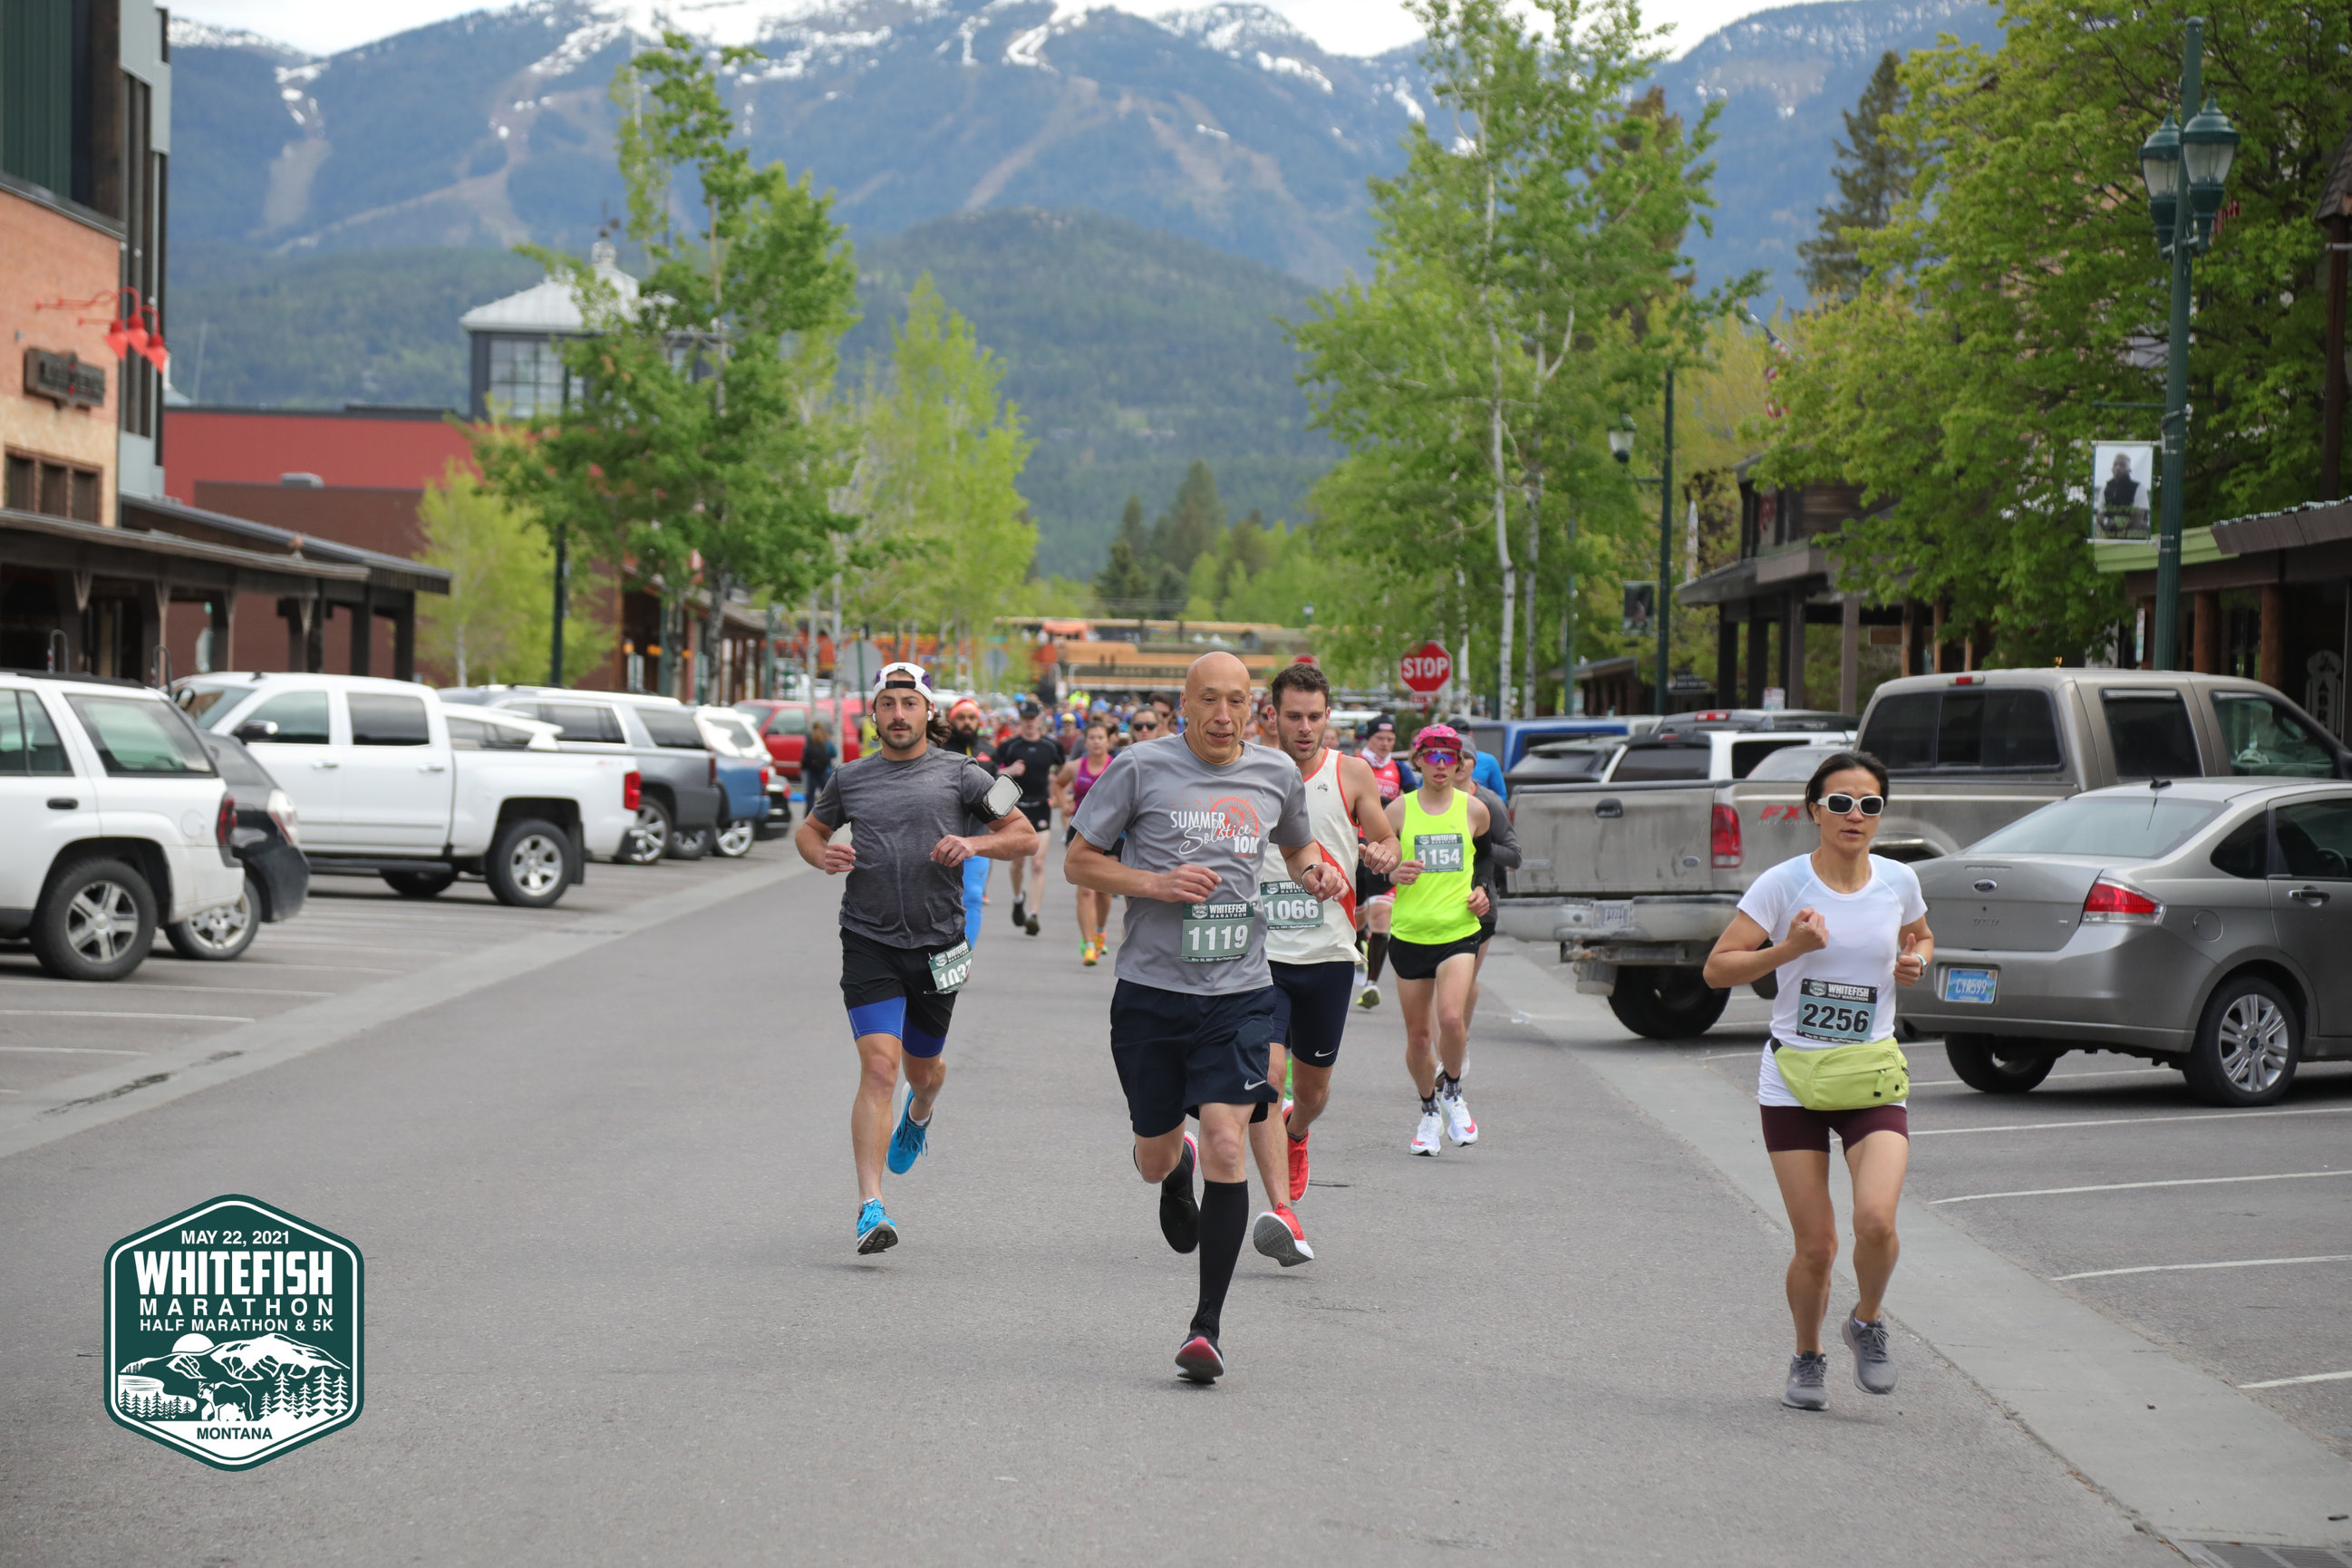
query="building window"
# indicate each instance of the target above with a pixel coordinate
(53, 488)
(38, 77)
(144, 184)
(528, 379)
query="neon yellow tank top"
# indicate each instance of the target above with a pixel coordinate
(1434, 907)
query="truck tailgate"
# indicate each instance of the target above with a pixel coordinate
(1614, 839)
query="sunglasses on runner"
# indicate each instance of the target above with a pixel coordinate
(1144, 726)
(1839, 804)
(1438, 759)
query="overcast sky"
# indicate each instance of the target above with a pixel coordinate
(1343, 26)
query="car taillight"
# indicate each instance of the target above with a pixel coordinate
(1723, 837)
(290, 821)
(224, 821)
(2112, 904)
(766, 776)
(633, 790)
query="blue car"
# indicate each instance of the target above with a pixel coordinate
(1508, 740)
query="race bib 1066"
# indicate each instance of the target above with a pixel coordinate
(1289, 907)
(1216, 934)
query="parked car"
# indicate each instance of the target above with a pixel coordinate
(1636, 872)
(112, 820)
(681, 771)
(385, 788)
(755, 796)
(1507, 741)
(267, 841)
(784, 726)
(2202, 923)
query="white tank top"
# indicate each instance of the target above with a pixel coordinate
(1331, 938)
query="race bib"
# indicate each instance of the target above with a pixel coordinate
(1216, 934)
(951, 967)
(1438, 851)
(1289, 907)
(1834, 1011)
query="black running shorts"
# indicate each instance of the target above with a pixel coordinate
(1177, 1052)
(1040, 814)
(1370, 885)
(875, 972)
(1419, 959)
(1311, 1005)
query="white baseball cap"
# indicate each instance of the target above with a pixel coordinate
(906, 676)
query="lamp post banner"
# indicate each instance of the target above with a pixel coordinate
(2123, 483)
(232, 1333)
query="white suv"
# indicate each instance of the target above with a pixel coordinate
(112, 822)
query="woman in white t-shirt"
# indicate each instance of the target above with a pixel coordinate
(1843, 928)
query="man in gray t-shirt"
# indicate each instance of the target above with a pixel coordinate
(903, 956)
(1194, 1010)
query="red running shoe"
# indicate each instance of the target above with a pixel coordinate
(1278, 1236)
(1199, 1361)
(1297, 1166)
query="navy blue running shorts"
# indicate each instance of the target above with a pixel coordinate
(1177, 1052)
(1311, 1005)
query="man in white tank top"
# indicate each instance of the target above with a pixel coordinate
(1310, 943)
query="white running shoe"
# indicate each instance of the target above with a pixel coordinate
(1459, 1125)
(1429, 1136)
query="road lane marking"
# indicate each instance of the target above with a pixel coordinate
(2129, 1120)
(72, 1050)
(88, 1013)
(2306, 1377)
(2185, 1268)
(2129, 1187)
(224, 990)
(2097, 1072)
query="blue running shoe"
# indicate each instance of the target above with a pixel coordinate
(875, 1231)
(906, 1143)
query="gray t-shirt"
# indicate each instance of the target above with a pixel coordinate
(898, 811)
(1174, 809)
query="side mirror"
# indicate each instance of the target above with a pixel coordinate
(254, 729)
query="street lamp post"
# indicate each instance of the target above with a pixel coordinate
(1621, 447)
(2201, 150)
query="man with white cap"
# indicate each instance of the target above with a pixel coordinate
(903, 955)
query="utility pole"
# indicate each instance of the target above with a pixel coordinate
(555, 637)
(1665, 543)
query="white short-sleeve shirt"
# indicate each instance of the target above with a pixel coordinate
(1844, 991)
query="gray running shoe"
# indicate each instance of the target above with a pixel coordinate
(1873, 1369)
(1809, 1382)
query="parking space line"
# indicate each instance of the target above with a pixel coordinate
(2128, 1186)
(2129, 1121)
(70, 1052)
(2113, 1072)
(2306, 1377)
(222, 990)
(2187, 1267)
(91, 1012)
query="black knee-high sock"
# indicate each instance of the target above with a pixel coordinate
(1376, 954)
(1224, 1216)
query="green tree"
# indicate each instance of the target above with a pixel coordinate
(698, 443)
(2019, 285)
(1125, 582)
(939, 484)
(1874, 171)
(1192, 524)
(493, 626)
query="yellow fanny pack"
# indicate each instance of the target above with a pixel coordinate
(1845, 1078)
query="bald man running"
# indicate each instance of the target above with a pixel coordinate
(1194, 1008)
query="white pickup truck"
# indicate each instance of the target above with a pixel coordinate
(389, 782)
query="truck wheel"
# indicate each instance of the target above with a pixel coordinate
(96, 921)
(691, 845)
(649, 837)
(734, 840)
(1993, 1065)
(529, 864)
(1661, 1003)
(2248, 1044)
(420, 884)
(219, 934)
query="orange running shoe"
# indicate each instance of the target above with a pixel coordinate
(1297, 1166)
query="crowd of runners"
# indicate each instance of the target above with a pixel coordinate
(1271, 877)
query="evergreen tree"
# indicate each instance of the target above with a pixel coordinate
(1193, 524)
(1874, 171)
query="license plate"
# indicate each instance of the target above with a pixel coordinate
(1975, 985)
(1613, 914)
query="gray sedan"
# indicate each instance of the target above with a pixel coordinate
(2203, 923)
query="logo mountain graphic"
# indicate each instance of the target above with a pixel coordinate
(207, 1372)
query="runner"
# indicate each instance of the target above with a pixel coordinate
(1310, 946)
(1435, 942)
(1029, 759)
(1194, 1010)
(1071, 782)
(964, 722)
(1495, 851)
(902, 958)
(1375, 895)
(1843, 928)
(1145, 725)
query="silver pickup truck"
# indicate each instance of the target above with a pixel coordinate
(1635, 876)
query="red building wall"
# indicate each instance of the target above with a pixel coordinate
(254, 446)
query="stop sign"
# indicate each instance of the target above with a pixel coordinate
(1426, 667)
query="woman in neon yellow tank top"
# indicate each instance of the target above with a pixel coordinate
(1434, 935)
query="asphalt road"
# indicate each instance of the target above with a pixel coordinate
(616, 1316)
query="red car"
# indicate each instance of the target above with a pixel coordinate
(783, 728)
